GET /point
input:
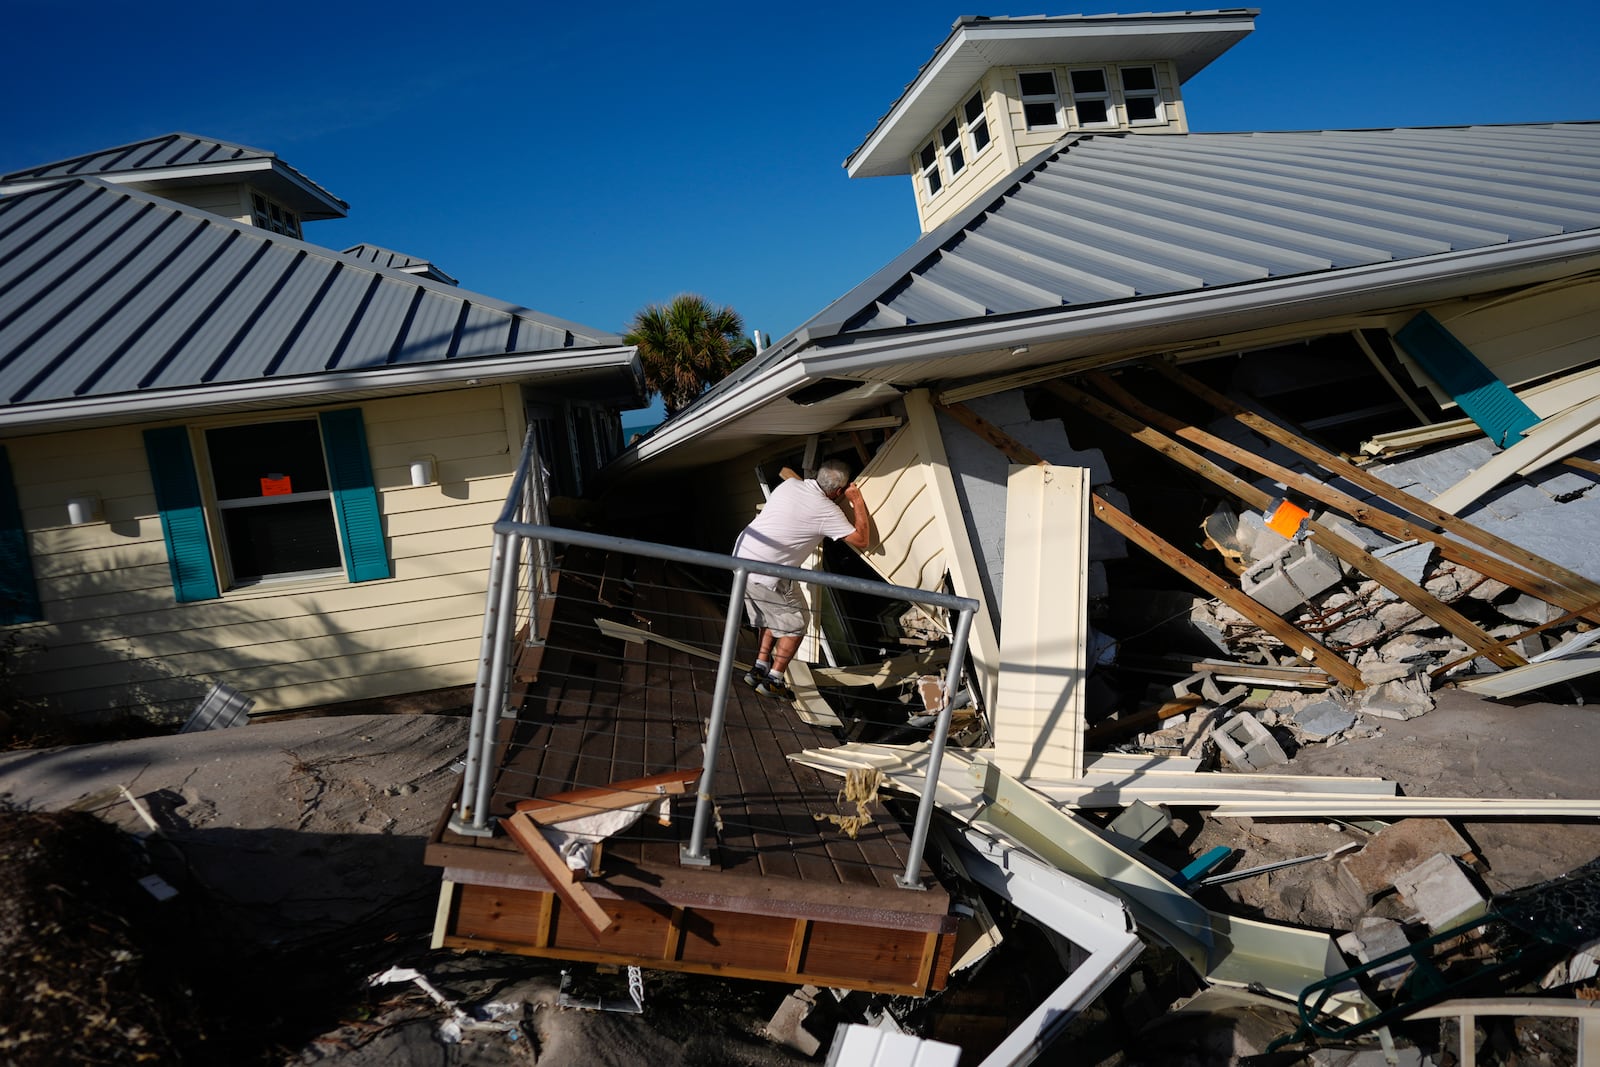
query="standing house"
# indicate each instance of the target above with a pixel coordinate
(230, 455)
(1356, 281)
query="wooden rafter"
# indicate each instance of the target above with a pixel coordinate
(1580, 590)
(1484, 562)
(1347, 551)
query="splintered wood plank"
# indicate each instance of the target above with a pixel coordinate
(576, 803)
(525, 832)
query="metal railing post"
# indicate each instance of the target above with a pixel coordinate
(941, 730)
(695, 852)
(504, 616)
(467, 820)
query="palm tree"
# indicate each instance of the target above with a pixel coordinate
(686, 345)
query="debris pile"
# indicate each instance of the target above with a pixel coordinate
(94, 973)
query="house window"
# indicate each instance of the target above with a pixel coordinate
(928, 160)
(1141, 96)
(273, 500)
(1091, 95)
(950, 137)
(270, 215)
(289, 498)
(1041, 103)
(977, 125)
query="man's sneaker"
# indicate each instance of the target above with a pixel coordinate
(755, 676)
(776, 687)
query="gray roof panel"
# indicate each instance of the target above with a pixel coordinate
(105, 290)
(1120, 216)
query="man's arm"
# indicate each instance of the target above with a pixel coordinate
(861, 537)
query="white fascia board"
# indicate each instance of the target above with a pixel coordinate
(237, 168)
(1394, 284)
(422, 377)
(709, 415)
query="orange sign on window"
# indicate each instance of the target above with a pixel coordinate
(276, 485)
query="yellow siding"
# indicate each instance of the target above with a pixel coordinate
(115, 640)
(916, 515)
(1522, 337)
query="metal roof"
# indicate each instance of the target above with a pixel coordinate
(1123, 216)
(1190, 39)
(187, 159)
(1122, 242)
(108, 293)
(385, 257)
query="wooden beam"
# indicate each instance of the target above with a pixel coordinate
(1296, 639)
(526, 833)
(1588, 466)
(576, 803)
(797, 946)
(1581, 590)
(1347, 551)
(1377, 518)
(1101, 732)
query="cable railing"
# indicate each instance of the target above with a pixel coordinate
(520, 584)
(520, 573)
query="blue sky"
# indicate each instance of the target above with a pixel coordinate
(585, 160)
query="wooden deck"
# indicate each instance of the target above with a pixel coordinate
(788, 897)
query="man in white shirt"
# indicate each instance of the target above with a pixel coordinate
(798, 515)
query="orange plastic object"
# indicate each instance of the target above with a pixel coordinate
(1286, 518)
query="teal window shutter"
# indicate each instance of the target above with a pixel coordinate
(355, 498)
(19, 593)
(1484, 398)
(183, 516)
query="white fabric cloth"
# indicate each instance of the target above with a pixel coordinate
(797, 517)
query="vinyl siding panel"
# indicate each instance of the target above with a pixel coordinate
(114, 639)
(1523, 338)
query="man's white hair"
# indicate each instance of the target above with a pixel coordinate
(833, 476)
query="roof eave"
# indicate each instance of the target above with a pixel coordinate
(621, 363)
(1394, 284)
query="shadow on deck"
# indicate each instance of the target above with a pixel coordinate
(788, 897)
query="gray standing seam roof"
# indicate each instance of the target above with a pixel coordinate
(1118, 217)
(1111, 218)
(105, 290)
(385, 257)
(173, 151)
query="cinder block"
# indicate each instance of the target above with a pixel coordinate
(1396, 848)
(1441, 892)
(1374, 938)
(1289, 580)
(1248, 745)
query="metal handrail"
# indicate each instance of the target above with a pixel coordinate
(511, 534)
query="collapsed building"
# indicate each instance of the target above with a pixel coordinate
(1220, 443)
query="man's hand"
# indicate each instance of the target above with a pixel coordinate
(861, 537)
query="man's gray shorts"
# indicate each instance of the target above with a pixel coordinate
(777, 608)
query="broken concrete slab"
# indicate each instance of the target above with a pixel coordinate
(1397, 847)
(1441, 892)
(786, 1027)
(1404, 698)
(1322, 718)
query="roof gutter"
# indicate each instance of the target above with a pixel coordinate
(422, 377)
(1396, 283)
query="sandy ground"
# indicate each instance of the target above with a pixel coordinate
(310, 828)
